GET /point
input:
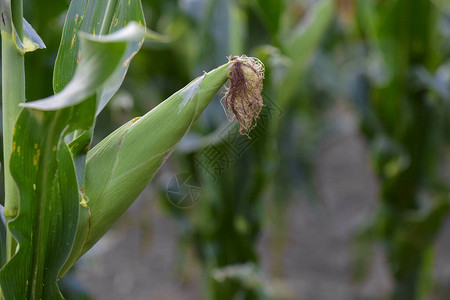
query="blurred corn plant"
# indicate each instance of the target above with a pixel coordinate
(235, 174)
(61, 196)
(389, 59)
(405, 128)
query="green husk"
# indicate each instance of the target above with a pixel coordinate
(120, 166)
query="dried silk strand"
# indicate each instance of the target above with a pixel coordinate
(243, 101)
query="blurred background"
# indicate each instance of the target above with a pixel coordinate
(342, 191)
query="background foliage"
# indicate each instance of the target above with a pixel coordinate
(388, 60)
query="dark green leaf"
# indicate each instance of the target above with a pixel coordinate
(301, 44)
(88, 16)
(47, 221)
(46, 224)
(271, 11)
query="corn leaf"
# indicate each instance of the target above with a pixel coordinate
(89, 16)
(238, 31)
(49, 204)
(271, 12)
(46, 223)
(101, 57)
(96, 17)
(301, 44)
(121, 165)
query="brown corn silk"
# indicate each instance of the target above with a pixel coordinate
(243, 101)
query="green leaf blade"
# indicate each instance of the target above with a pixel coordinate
(49, 204)
(88, 16)
(99, 60)
(301, 44)
(46, 224)
(92, 16)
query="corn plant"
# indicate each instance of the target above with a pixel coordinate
(388, 47)
(61, 195)
(403, 126)
(228, 219)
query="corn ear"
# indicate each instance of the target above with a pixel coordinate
(120, 166)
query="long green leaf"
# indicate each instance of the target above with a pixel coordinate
(101, 57)
(96, 17)
(89, 16)
(46, 223)
(301, 44)
(271, 11)
(49, 205)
